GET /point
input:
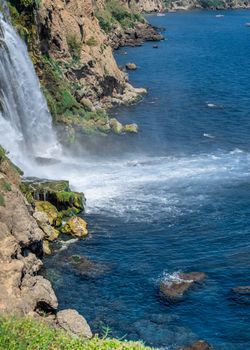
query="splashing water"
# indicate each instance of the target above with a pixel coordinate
(25, 122)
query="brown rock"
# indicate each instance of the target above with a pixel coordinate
(175, 289)
(241, 294)
(131, 66)
(198, 345)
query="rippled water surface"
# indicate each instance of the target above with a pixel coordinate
(175, 197)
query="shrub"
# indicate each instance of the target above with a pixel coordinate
(6, 186)
(91, 41)
(75, 47)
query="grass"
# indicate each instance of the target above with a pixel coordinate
(27, 334)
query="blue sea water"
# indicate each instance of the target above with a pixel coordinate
(176, 197)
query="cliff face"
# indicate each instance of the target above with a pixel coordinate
(22, 290)
(70, 33)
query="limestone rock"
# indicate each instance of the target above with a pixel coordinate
(76, 226)
(50, 210)
(72, 322)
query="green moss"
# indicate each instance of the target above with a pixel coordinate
(27, 334)
(2, 200)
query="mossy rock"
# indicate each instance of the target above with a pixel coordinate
(116, 126)
(55, 192)
(131, 128)
(76, 226)
(52, 213)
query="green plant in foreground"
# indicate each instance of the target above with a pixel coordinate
(27, 334)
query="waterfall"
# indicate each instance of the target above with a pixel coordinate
(26, 130)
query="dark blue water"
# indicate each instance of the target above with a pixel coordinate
(175, 197)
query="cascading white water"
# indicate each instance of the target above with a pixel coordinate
(25, 122)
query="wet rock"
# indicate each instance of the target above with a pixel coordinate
(57, 193)
(198, 345)
(174, 289)
(76, 226)
(71, 321)
(131, 66)
(131, 128)
(241, 294)
(86, 267)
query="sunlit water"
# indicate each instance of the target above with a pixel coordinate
(175, 197)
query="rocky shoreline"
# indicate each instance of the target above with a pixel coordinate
(25, 227)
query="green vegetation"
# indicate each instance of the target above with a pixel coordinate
(2, 153)
(74, 47)
(211, 3)
(27, 334)
(114, 13)
(91, 41)
(2, 200)
(6, 186)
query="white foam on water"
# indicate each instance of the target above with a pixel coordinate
(146, 188)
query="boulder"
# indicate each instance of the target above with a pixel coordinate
(174, 289)
(241, 294)
(72, 322)
(76, 226)
(131, 66)
(198, 345)
(131, 128)
(116, 126)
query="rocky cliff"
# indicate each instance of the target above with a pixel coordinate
(175, 5)
(22, 290)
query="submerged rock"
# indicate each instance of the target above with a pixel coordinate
(72, 322)
(76, 226)
(198, 345)
(241, 294)
(86, 267)
(174, 288)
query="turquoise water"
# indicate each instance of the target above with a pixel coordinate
(175, 197)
